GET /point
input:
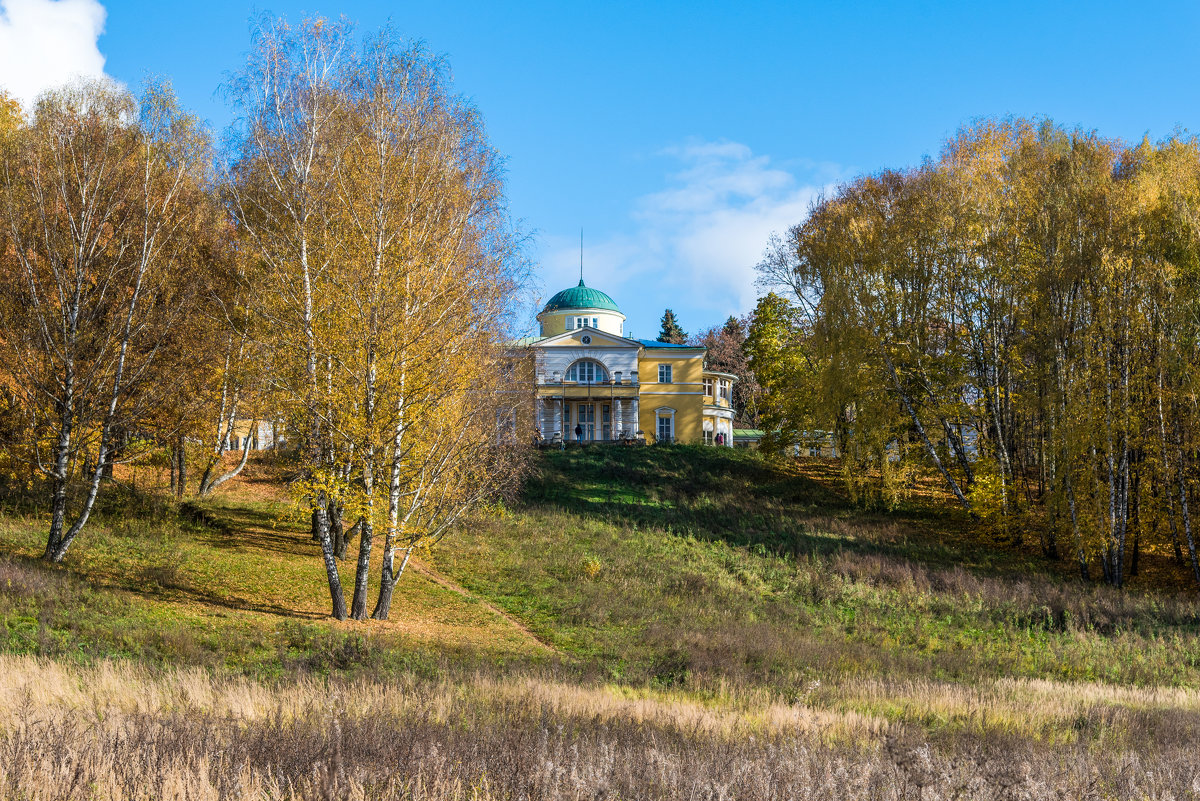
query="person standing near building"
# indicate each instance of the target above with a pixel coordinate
(579, 433)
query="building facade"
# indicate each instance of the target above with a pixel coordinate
(595, 384)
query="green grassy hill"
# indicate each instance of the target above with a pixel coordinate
(707, 565)
(692, 596)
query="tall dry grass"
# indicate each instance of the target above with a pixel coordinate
(118, 731)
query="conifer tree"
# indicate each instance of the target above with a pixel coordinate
(671, 331)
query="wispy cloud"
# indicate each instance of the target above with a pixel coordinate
(693, 245)
(46, 43)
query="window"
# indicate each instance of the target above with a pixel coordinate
(664, 374)
(723, 388)
(587, 372)
(570, 323)
(666, 427)
(583, 322)
(708, 387)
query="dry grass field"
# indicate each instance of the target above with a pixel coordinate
(119, 731)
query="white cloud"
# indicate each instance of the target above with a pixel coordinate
(46, 43)
(693, 245)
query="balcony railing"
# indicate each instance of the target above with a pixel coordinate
(556, 379)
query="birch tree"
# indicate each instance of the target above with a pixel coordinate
(390, 269)
(96, 190)
(1023, 311)
(289, 141)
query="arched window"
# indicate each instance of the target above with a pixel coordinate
(587, 371)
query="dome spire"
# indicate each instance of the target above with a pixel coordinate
(581, 256)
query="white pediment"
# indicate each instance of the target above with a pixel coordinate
(595, 339)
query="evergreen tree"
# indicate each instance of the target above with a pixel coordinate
(671, 332)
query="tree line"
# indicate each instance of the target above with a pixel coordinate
(1020, 318)
(342, 266)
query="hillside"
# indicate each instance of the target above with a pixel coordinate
(707, 564)
(644, 622)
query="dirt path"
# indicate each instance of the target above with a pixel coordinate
(437, 578)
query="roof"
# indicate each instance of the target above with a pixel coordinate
(748, 433)
(654, 343)
(581, 297)
(525, 342)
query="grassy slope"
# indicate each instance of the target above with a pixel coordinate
(713, 615)
(687, 569)
(686, 565)
(248, 593)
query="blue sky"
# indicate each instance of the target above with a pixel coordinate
(680, 135)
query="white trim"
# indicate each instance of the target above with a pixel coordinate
(580, 311)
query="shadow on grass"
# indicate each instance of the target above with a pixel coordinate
(246, 526)
(184, 591)
(738, 497)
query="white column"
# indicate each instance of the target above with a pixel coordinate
(618, 423)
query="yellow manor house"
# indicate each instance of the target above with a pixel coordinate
(595, 384)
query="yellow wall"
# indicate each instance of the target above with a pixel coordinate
(683, 394)
(555, 323)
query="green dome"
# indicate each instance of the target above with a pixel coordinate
(581, 297)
